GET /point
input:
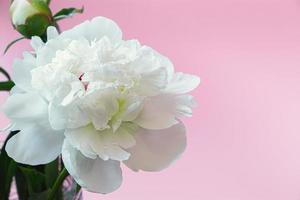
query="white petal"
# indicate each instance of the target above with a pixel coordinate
(70, 116)
(25, 106)
(152, 82)
(105, 144)
(95, 175)
(134, 107)
(161, 111)
(156, 150)
(101, 104)
(57, 116)
(47, 53)
(15, 90)
(157, 113)
(77, 90)
(51, 33)
(149, 60)
(182, 83)
(36, 43)
(125, 135)
(94, 30)
(21, 71)
(184, 105)
(29, 57)
(168, 65)
(35, 145)
(62, 117)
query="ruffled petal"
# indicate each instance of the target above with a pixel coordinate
(45, 54)
(149, 60)
(100, 104)
(66, 116)
(35, 145)
(95, 30)
(152, 82)
(95, 175)
(182, 83)
(156, 150)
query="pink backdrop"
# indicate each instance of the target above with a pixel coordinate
(244, 138)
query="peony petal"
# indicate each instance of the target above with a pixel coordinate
(182, 83)
(95, 175)
(25, 106)
(156, 150)
(134, 107)
(152, 82)
(61, 117)
(184, 105)
(157, 113)
(45, 54)
(149, 60)
(95, 30)
(52, 33)
(35, 145)
(105, 144)
(15, 90)
(36, 43)
(161, 111)
(21, 71)
(100, 104)
(57, 116)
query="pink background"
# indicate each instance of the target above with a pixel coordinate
(244, 138)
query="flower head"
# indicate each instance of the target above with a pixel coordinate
(31, 17)
(98, 100)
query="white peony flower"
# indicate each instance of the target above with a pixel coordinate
(98, 100)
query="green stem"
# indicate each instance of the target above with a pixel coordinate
(5, 73)
(6, 86)
(78, 188)
(57, 185)
(12, 43)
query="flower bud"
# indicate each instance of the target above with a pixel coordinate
(31, 17)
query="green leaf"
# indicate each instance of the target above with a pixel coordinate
(51, 172)
(6, 86)
(67, 12)
(12, 43)
(5, 73)
(22, 187)
(7, 170)
(78, 188)
(40, 195)
(27, 187)
(34, 179)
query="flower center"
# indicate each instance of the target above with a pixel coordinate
(85, 84)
